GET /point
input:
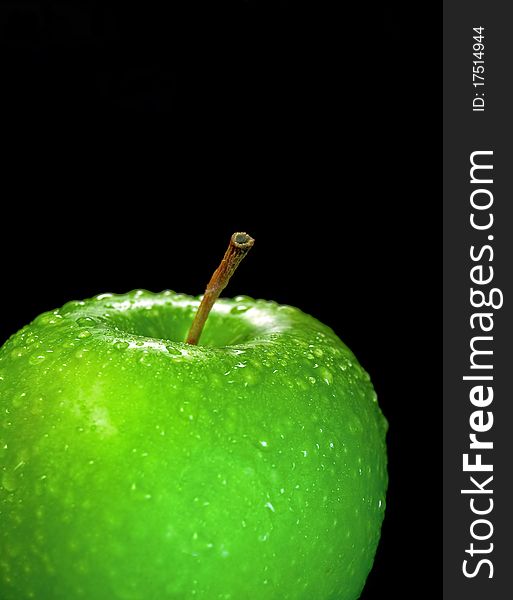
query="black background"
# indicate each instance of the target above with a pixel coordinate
(139, 140)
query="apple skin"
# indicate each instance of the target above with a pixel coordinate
(137, 467)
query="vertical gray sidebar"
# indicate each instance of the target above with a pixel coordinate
(478, 256)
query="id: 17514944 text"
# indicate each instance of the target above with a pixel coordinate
(478, 70)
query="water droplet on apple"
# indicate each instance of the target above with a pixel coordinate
(18, 351)
(188, 410)
(312, 380)
(237, 351)
(327, 376)
(9, 481)
(239, 309)
(173, 350)
(354, 424)
(251, 377)
(43, 319)
(121, 345)
(36, 359)
(285, 308)
(84, 334)
(72, 305)
(85, 321)
(19, 399)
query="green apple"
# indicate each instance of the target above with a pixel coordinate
(134, 466)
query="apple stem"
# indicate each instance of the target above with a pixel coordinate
(240, 245)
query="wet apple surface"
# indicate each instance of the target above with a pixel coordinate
(134, 466)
